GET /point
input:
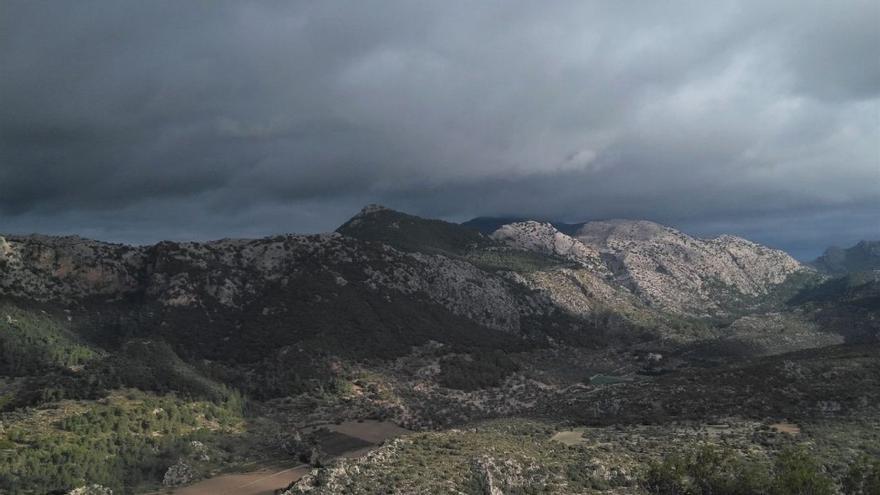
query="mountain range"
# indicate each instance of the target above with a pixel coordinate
(425, 323)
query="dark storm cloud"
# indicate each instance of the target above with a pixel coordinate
(143, 120)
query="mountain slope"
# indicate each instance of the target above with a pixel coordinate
(244, 345)
(544, 238)
(586, 288)
(488, 225)
(666, 269)
(680, 273)
(270, 313)
(410, 233)
(864, 256)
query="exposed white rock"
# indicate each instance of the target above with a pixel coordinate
(545, 239)
(91, 490)
(680, 273)
(621, 265)
(178, 474)
(581, 292)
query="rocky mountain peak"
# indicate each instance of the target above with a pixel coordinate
(544, 238)
(612, 234)
(686, 274)
(409, 232)
(666, 268)
(373, 208)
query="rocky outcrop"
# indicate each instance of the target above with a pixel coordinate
(495, 476)
(628, 267)
(180, 473)
(63, 269)
(582, 292)
(486, 477)
(333, 479)
(91, 490)
(683, 274)
(666, 269)
(235, 273)
(545, 239)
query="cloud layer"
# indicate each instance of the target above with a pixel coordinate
(137, 121)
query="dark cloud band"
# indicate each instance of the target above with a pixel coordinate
(142, 120)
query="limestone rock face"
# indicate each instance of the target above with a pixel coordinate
(683, 274)
(461, 288)
(47, 268)
(662, 267)
(583, 288)
(496, 475)
(631, 267)
(235, 273)
(581, 292)
(544, 238)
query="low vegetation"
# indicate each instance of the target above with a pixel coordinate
(709, 470)
(34, 341)
(124, 441)
(476, 371)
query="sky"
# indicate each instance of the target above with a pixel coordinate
(134, 121)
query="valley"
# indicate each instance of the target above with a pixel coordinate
(409, 355)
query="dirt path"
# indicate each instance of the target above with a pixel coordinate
(265, 481)
(369, 430)
(790, 428)
(261, 482)
(569, 437)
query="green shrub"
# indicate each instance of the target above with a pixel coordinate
(712, 471)
(476, 371)
(863, 477)
(798, 473)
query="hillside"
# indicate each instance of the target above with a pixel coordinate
(180, 360)
(410, 233)
(864, 256)
(681, 273)
(698, 421)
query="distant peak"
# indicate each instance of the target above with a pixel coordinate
(530, 226)
(373, 208)
(600, 232)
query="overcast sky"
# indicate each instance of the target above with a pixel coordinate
(138, 121)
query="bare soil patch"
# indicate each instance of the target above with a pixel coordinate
(261, 482)
(570, 437)
(790, 428)
(349, 439)
(371, 431)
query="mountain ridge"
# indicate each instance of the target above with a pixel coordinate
(863, 256)
(420, 322)
(646, 258)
